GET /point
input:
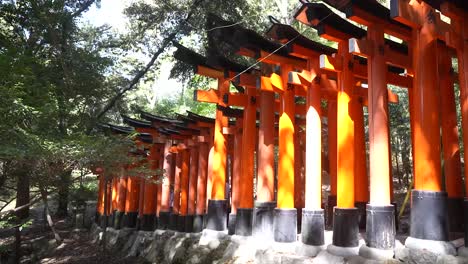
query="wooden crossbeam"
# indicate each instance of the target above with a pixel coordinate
(332, 64)
(363, 47)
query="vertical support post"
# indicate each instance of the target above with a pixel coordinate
(361, 183)
(174, 219)
(148, 217)
(332, 159)
(249, 131)
(450, 146)
(100, 201)
(427, 195)
(236, 175)
(184, 188)
(217, 207)
(168, 166)
(313, 220)
(121, 197)
(380, 226)
(131, 205)
(265, 204)
(192, 188)
(285, 221)
(345, 215)
(201, 187)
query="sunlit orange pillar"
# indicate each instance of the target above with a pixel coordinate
(159, 179)
(265, 203)
(184, 188)
(169, 170)
(345, 215)
(236, 175)
(428, 201)
(120, 208)
(285, 221)
(131, 204)
(361, 183)
(332, 160)
(313, 220)
(203, 153)
(194, 156)
(380, 231)
(217, 206)
(450, 146)
(114, 197)
(249, 136)
(174, 220)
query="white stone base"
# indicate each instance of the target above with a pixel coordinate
(343, 251)
(434, 246)
(375, 253)
(308, 250)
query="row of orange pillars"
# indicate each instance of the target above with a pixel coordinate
(299, 87)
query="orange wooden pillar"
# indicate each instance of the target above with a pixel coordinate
(313, 220)
(361, 183)
(203, 153)
(194, 156)
(169, 170)
(217, 207)
(131, 203)
(236, 175)
(299, 173)
(332, 160)
(121, 195)
(148, 217)
(460, 26)
(184, 187)
(285, 221)
(249, 136)
(174, 218)
(345, 215)
(450, 146)
(114, 197)
(265, 203)
(428, 201)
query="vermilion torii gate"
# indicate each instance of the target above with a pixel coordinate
(292, 70)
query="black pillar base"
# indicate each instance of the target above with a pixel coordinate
(285, 225)
(313, 227)
(198, 221)
(244, 221)
(189, 223)
(465, 217)
(147, 222)
(345, 227)
(455, 214)
(118, 219)
(164, 217)
(263, 219)
(429, 218)
(331, 203)
(395, 207)
(173, 221)
(216, 218)
(130, 219)
(231, 224)
(380, 231)
(361, 206)
(155, 222)
(181, 223)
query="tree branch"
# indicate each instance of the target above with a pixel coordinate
(83, 8)
(111, 103)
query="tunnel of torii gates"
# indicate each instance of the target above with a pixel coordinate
(210, 163)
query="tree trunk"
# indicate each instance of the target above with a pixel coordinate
(22, 191)
(63, 190)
